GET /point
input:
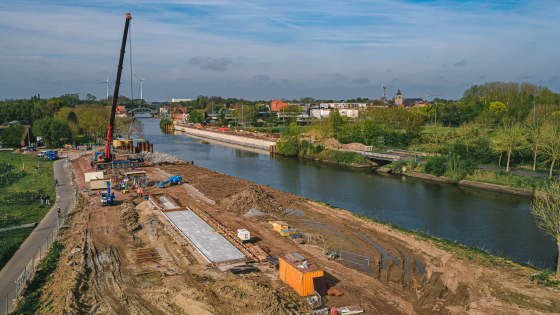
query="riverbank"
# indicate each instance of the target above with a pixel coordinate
(242, 140)
(480, 179)
(405, 273)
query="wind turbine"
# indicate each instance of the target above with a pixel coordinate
(106, 82)
(140, 84)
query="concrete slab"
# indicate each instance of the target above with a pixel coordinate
(211, 244)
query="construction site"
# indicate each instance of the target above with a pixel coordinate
(209, 243)
(158, 235)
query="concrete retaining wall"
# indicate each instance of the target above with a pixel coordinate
(239, 140)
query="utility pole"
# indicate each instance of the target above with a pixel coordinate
(435, 116)
(241, 113)
(534, 111)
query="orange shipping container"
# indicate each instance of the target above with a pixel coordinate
(299, 279)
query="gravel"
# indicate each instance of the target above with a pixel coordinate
(157, 157)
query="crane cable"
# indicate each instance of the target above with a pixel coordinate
(130, 55)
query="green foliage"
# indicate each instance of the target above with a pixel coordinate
(196, 117)
(32, 301)
(53, 131)
(497, 107)
(289, 143)
(318, 152)
(456, 169)
(12, 136)
(436, 165)
(397, 166)
(164, 122)
(10, 242)
(544, 278)
(19, 196)
(532, 183)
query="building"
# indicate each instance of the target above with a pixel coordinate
(179, 114)
(301, 275)
(276, 106)
(177, 100)
(410, 102)
(325, 112)
(121, 110)
(399, 99)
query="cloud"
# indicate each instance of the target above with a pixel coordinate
(360, 80)
(389, 70)
(443, 66)
(439, 78)
(460, 63)
(482, 76)
(214, 64)
(261, 78)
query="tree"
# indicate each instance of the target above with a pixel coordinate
(289, 143)
(551, 144)
(510, 139)
(91, 98)
(53, 131)
(455, 169)
(435, 140)
(497, 107)
(546, 210)
(535, 136)
(12, 136)
(196, 117)
(469, 134)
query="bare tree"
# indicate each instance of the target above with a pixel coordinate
(546, 210)
(551, 145)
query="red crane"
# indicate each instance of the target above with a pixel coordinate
(108, 156)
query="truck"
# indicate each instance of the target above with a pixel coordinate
(52, 155)
(107, 198)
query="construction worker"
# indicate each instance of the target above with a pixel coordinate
(58, 211)
(141, 192)
(137, 191)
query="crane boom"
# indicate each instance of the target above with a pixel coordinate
(116, 93)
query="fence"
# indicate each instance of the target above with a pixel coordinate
(8, 303)
(358, 262)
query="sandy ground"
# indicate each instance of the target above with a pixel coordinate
(123, 259)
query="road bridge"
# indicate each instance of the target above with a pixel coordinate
(141, 110)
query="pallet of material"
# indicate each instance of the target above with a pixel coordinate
(334, 292)
(187, 261)
(259, 253)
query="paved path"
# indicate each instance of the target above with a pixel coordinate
(15, 266)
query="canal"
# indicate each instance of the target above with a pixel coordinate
(497, 222)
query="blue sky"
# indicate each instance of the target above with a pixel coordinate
(277, 49)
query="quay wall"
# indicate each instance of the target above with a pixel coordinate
(239, 140)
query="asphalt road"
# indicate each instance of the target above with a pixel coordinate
(15, 266)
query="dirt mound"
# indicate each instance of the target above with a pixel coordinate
(246, 297)
(252, 196)
(333, 143)
(129, 217)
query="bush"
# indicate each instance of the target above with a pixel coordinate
(397, 166)
(436, 165)
(164, 122)
(289, 143)
(455, 169)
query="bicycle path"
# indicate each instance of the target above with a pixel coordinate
(21, 258)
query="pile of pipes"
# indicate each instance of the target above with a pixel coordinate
(156, 157)
(144, 146)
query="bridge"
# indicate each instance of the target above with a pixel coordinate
(141, 110)
(378, 156)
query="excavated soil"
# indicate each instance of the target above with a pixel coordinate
(121, 259)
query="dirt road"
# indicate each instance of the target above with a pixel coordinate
(125, 259)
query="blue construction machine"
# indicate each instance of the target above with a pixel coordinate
(172, 180)
(107, 198)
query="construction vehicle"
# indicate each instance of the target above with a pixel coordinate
(107, 155)
(106, 197)
(172, 180)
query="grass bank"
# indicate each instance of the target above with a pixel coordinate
(503, 178)
(337, 157)
(19, 195)
(32, 301)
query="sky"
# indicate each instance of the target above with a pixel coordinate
(276, 49)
